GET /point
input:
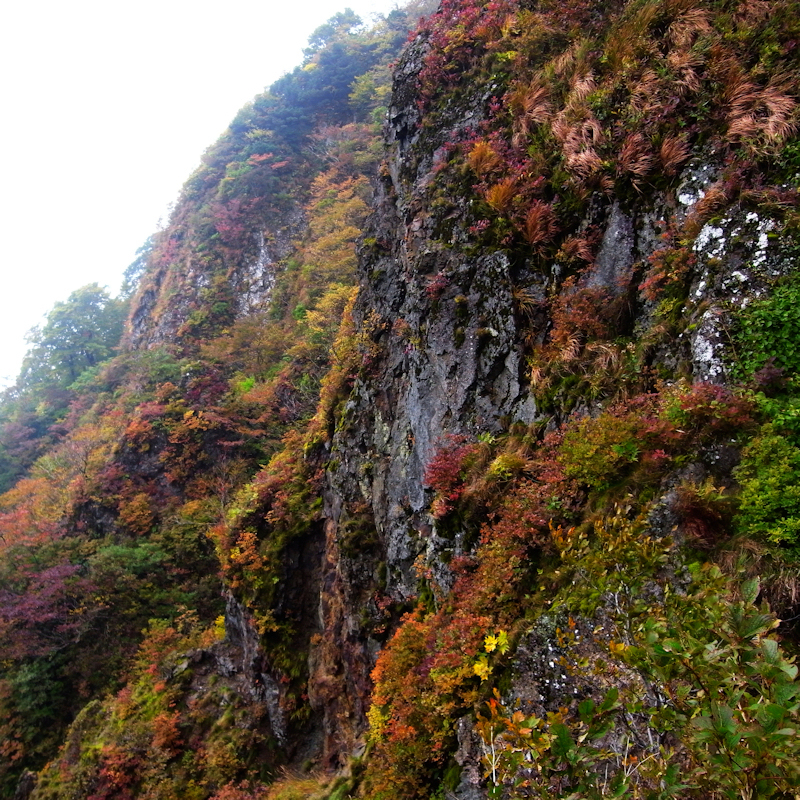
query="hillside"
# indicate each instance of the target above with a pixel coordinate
(452, 448)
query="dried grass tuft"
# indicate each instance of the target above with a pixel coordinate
(532, 102)
(578, 142)
(683, 64)
(674, 152)
(540, 224)
(525, 301)
(584, 162)
(501, 195)
(751, 13)
(573, 61)
(581, 87)
(482, 158)
(646, 94)
(716, 197)
(630, 42)
(531, 106)
(689, 26)
(539, 378)
(760, 117)
(576, 248)
(636, 157)
(571, 349)
(607, 358)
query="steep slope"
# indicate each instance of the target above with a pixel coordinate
(577, 213)
(241, 213)
(585, 214)
(110, 542)
(507, 521)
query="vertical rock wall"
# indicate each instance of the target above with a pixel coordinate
(446, 355)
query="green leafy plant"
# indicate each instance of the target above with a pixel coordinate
(733, 696)
(712, 704)
(769, 476)
(768, 332)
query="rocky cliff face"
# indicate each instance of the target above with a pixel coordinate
(447, 355)
(457, 329)
(182, 283)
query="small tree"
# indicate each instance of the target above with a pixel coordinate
(79, 333)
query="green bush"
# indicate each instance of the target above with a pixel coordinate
(598, 450)
(769, 475)
(709, 708)
(769, 331)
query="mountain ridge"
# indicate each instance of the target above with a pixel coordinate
(504, 506)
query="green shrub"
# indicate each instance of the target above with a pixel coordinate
(597, 450)
(769, 331)
(722, 720)
(769, 475)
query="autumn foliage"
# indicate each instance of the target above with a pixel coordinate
(195, 557)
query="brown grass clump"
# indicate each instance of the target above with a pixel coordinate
(574, 61)
(581, 86)
(630, 41)
(482, 158)
(716, 197)
(673, 153)
(585, 320)
(501, 195)
(605, 357)
(760, 117)
(493, 463)
(540, 224)
(636, 158)
(579, 140)
(752, 13)
(531, 106)
(596, 183)
(646, 93)
(684, 63)
(688, 27)
(525, 301)
(585, 162)
(575, 248)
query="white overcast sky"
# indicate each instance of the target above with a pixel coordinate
(106, 108)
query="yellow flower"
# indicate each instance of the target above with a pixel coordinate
(482, 668)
